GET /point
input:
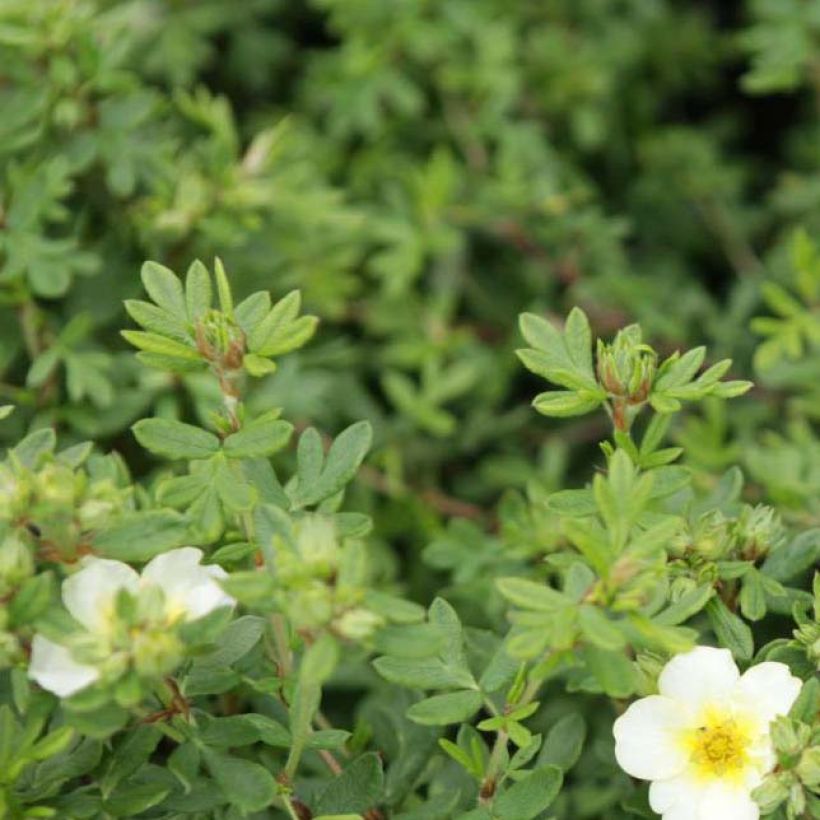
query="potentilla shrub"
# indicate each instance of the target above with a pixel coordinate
(219, 637)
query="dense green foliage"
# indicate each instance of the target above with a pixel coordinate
(444, 596)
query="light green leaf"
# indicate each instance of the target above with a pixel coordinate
(440, 710)
(164, 288)
(175, 439)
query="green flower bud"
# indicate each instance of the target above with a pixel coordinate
(626, 367)
(358, 624)
(712, 537)
(758, 530)
(156, 652)
(785, 737)
(311, 607)
(808, 769)
(317, 544)
(797, 801)
(13, 493)
(220, 339)
(773, 791)
(16, 562)
(56, 485)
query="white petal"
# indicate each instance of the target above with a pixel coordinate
(54, 669)
(769, 688)
(89, 594)
(647, 738)
(721, 800)
(701, 676)
(689, 797)
(675, 798)
(187, 585)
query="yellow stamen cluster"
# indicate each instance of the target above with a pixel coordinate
(719, 748)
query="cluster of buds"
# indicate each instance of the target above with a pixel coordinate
(751, 535)
(54, 508)
(797, 776)
(323, 581)
(626, 369)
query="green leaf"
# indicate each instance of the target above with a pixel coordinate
(564, 742)
(529, 595)
(752, 597)
(440, 710)
(34, 446)
(158, 321)
(175, 439)
(223, 289)
(689, 604)
(131, 753)
(198, 291)
(565, 403)
(343, 460)
(730, 630)
(598, 629)
(139, 536)
(613, 671)
(258, 366)
(6, 410)
(258, 439)
(529, 796)
(164, 288)
(247, 785)
(250, 312)
(160, 345)
(358, 788)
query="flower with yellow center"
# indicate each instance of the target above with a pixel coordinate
(189, 591)
(704, 740)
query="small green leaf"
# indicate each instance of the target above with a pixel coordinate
(247, 785)
(565, 403)
(198, 291)
(160, 345)
(730, 630)
(175, 439)
(223, 288)
(263, 438)
(357, 789)
(564, 742)
(139, 536)
(164, 288)
(598, 629)
(530, 796)
(440, 710)
(258, 366)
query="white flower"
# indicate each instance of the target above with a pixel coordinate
(704, 740)
(189, 589)
(54, 669)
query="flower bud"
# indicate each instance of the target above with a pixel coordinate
(317, 544)
(312, 606)
(773, 791)
(758, 531)
(808, 769)
(156, 652)
(12, 493)
(626, 367)
(220, 339)
(16, 562)
(785, 737)
(712, 537)
(358, 624)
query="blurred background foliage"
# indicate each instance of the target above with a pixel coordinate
(423, 170)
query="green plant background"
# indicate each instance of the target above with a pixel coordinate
(423, 171)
